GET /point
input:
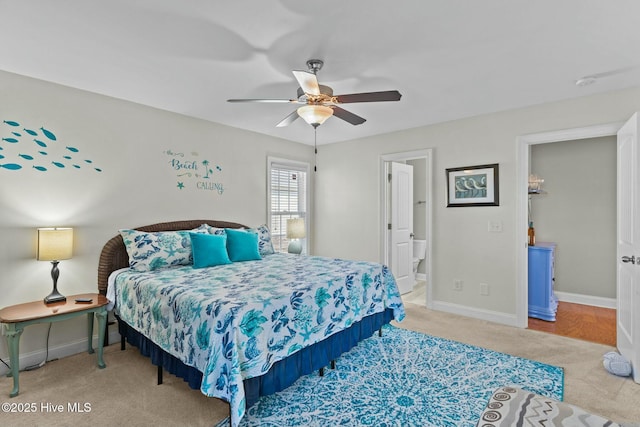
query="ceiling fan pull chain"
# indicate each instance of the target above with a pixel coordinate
(315, 149)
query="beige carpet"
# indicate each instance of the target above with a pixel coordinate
(125, 392)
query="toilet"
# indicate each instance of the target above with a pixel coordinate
(419, 252)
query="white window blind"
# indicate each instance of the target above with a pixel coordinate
(287, 199)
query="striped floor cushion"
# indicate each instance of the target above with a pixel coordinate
(514, 407)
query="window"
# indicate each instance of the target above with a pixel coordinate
(287, 198)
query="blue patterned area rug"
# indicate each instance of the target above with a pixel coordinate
(404, 378)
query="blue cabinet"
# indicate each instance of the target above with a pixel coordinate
(543, 303)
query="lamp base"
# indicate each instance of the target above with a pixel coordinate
(54, 296)
(295, 247)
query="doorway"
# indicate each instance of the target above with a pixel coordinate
(574, 208)
(524, 144)
(421, 160)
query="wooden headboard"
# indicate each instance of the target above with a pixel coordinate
(114, 254)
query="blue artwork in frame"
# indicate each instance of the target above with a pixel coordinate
(473, 186)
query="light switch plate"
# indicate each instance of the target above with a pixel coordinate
(495, 226)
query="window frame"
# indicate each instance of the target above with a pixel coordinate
(293, 165)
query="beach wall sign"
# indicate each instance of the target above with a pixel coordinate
(196, 172)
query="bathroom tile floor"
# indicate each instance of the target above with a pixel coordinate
(418, 295)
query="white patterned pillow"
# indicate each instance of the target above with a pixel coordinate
(264, 240)
(151, 251)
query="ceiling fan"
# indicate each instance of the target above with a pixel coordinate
(319, 101)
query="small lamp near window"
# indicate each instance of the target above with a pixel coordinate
(295, 232)
(55, 244)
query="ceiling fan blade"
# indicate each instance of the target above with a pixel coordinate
(347, 116)
(389, 95)
(308, 82)
(288, 120)
(274, 101)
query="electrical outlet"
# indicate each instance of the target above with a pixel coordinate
(457, 285)
(484, 289)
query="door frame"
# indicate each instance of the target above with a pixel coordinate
(523, 152)
(426, 154)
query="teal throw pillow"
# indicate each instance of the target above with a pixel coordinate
(242, 245)
(209, 250)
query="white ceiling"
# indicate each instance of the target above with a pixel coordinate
(449, 58)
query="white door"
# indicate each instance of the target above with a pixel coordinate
(402, 225)
(628, 248)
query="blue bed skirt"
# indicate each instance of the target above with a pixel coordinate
(283, 373)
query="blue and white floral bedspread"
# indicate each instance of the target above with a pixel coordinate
(234, 321)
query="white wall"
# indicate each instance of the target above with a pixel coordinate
(137, 185)
(348, 209)
(578, 212)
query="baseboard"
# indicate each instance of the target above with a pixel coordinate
(476, 313)
(421, 276)
(586, 299)
(58, 352)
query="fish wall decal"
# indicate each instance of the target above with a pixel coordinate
(42, 139)
(48, 134)
(11, 166)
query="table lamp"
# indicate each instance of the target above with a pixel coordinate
(55, 244)
(295, 232)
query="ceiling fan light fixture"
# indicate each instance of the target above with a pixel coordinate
(318, 100)
(315, 115)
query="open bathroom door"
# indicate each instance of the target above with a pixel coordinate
(401, 225)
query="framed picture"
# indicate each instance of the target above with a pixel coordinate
(473, 186)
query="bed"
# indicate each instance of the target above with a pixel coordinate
(242, 327)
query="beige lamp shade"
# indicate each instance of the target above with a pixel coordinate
(55, 244)
(295, 228)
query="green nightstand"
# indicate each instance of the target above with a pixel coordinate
(17, 317)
